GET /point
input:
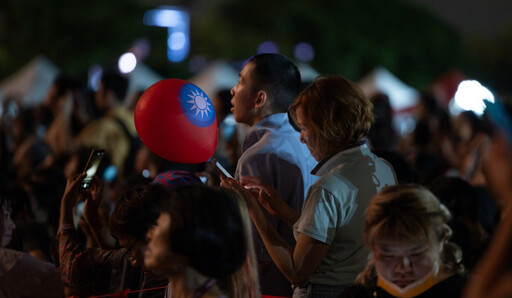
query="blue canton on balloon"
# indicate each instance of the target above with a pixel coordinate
(196, 105)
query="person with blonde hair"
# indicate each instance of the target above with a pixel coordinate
(406, 230)
(334, 116)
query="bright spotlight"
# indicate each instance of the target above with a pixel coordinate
(470, 96)
(127, 63)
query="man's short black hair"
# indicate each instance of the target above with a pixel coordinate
(116, 83)
(278, 76)
(64, 83)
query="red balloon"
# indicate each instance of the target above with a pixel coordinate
(175, 119)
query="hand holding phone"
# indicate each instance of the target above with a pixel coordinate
(219, 169)
(91, 167)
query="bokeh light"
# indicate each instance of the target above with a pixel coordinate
(196, 63)
(304, 52)
(470, 96)
(127, 62)
(94, 76)
(267, 47)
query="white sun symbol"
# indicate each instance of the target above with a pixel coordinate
(199, 103)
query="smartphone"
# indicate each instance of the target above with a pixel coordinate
(219, 168)
(91, 167)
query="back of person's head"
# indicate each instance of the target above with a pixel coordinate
(411, 214)
(137, 210)
(458, 195)
(63, 84)
(207, 229)
(382, 134)
(405, 172)
(115, 82)
(429, 103)
(279, 77)
(338, 110)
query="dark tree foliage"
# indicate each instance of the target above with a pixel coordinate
(350, 37)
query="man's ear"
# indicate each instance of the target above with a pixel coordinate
(261, 99)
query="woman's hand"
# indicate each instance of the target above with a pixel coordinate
(93, 201)
(270, 199)
(267, 195)
(71, 195)
(249, 197)
(72, 191)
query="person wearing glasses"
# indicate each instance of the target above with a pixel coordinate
(99, 271)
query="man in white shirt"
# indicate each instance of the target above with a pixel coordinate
(267, 85)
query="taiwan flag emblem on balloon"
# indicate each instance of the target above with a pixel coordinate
(175, 119)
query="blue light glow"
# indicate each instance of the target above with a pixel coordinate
(177, 41)
(178, 45)
(110, 173)
(169, 17)
(267, 47)
(304, 52)
(177, 21)
(94, 74)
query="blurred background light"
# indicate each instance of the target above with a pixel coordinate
(267, 47)
(94, 75)
(177, 22)
(110, 173)
(177, 41)
(304, 52)
(141, 48)
(196, 63)
(165, 17)
(127, 63)
(470, 96)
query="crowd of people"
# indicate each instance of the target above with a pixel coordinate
(327, 199)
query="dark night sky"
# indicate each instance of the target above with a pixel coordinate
(474, 18)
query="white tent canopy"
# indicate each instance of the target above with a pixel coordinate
(31, 82)
(140, 79)
(216, 76)
(401, 96)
